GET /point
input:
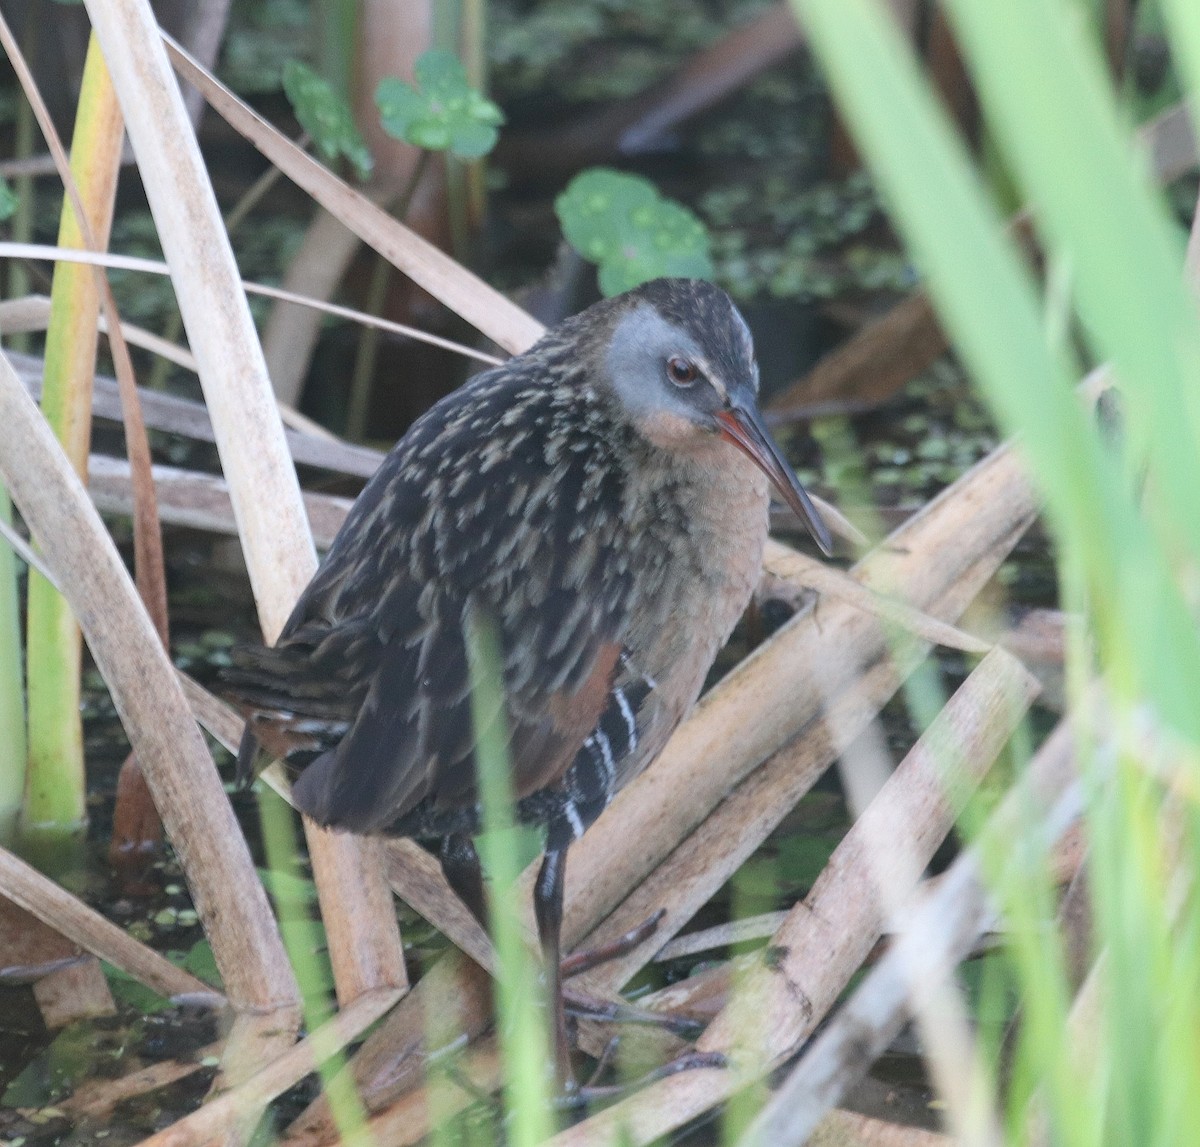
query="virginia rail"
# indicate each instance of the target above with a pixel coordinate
(602, 499)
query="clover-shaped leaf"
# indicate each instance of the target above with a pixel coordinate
(443, 112)
(325, 116)
(621, 223)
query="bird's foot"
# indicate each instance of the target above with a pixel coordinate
(579, 962)
(580, 1095)
(587, 1007)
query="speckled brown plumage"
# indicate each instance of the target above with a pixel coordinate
(591, 502)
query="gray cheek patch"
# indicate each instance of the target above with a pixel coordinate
(641, 344)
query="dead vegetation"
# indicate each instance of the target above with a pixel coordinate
(758, 741)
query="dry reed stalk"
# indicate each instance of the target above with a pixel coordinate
(825, 939)
(96, 1098)
(454, 996)
(941, 930)
(223, 1118)
(199, 500)
(68, 983)
(365, 948)
(448, 281)
(407, 1122)
(895, 868)
(42, 898)
(175, 415)
(25, 313)
(834, 585)
(142, 680)
(29, 949)
(220, 330)
(77, 992)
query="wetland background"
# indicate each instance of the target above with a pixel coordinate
(728, 118)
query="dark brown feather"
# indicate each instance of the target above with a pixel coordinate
(537, 496)
(375, 645)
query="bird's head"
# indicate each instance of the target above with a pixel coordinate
(680, 360)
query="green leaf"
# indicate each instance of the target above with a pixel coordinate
(622, 224)
(201, 962)
(133, 993)
(326, 117)
(442, 112)
(8, 201)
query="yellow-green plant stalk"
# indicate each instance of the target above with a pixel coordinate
(303, 939)
(12, 692)
(520, 1021)
(54, 788)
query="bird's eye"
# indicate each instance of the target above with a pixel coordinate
(681, 371)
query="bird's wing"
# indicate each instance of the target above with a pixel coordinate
(377, 641)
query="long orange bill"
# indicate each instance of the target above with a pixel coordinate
(744, 427)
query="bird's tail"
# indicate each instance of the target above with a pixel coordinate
(246, 757)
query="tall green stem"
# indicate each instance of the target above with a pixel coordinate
(55, 789)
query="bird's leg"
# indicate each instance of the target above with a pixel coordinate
(610, 1012)
(606, 1011)
(548, 909)
(460, 866)
(579, 962)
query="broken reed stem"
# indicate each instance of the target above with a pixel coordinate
(218, 1118)
(825, 939)
(54, 906)
(940, 932)
(365, 947)
(199, 500)
(227, 893)
(463, 292)
(96, 1098)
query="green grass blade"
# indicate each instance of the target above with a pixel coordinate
(521, 1007)
(1051, 111)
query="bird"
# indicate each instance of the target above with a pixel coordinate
(600, 504)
